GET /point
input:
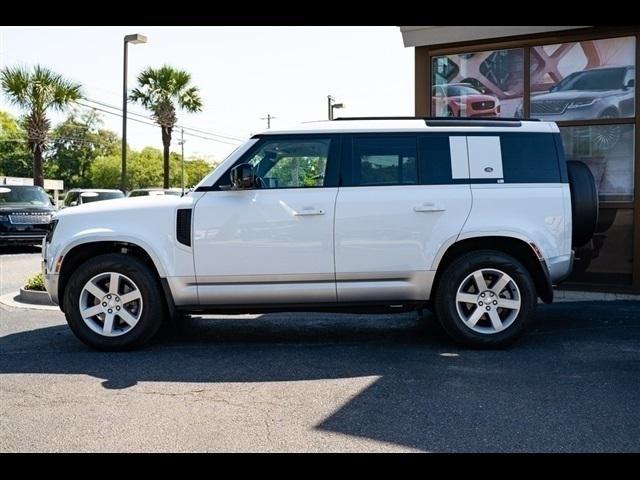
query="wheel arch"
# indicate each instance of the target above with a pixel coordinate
(77, 254)
(521, 248)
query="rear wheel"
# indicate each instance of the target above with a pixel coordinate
(114, 303)
(485, 299)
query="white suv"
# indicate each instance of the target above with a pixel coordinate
(474, 219)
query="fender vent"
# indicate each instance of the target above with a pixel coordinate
(183, 226)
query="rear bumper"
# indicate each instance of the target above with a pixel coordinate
(560, 267)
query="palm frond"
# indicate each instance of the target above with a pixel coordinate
(160, 87)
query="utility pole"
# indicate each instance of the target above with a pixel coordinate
(268, 118)
(181, 142)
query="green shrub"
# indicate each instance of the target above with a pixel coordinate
(35, 283)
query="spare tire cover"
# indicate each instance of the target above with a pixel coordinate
(584, 202)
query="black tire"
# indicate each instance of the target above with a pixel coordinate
(584, 202)
(151, 316)
(452, 278)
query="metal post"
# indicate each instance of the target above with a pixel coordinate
(330, 110)
(182, 161)
(123, 180)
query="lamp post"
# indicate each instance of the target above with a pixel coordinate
(331, 106)
(135, 39)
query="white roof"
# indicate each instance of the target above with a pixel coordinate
(411, 125)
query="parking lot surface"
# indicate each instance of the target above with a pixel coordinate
(321, 383)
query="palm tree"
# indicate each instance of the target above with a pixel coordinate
(36, 91)
(161, 90)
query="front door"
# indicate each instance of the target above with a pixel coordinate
(272, 244)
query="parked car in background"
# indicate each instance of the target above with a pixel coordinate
(25, 213)
(463, 100)
(603, 92)
(79, 196)
(143, 192)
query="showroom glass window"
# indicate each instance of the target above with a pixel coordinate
(584, 80)
(578, 85)
(479, 84)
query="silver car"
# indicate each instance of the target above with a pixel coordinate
(604, 92)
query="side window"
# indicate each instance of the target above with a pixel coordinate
(529, 158)
(384, 160)
(289, 163)
(435, 159)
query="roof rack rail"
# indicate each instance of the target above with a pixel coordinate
(448, 119)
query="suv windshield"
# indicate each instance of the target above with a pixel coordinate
(23, 195)
(605, 79)
(97, 196)
(460, 91)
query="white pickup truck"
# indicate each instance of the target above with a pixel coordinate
(473, 218)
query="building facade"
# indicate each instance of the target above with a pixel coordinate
(581, 77)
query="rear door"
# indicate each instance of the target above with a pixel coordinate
(398, 204)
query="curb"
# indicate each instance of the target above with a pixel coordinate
(13, 300)
(36, 297)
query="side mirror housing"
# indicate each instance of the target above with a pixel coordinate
(73, 204)
(631, 83)
(242, 177)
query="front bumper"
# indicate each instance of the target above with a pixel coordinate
(50, 279)
(21, 238)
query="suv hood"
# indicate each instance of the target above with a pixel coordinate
(16, 207)
(125, 206)
(574, 94)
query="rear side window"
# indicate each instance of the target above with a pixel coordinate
(435, 159)
(529, 158)
(383, 160)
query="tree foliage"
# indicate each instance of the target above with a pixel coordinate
(163, 91)
(36, 91)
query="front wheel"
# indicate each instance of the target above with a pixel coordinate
(485, 299)
(113, 302)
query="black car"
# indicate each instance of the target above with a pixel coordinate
(25, 213)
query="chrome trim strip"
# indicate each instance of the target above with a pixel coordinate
(260, 279)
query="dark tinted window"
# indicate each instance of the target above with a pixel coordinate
(435, 159)
(23, 195)
(384, 160)
(529, 158)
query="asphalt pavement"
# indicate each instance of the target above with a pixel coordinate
(321, 383)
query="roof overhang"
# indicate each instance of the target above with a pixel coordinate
(439, 35)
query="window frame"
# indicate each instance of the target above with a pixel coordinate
(331, 178)
(347, 163)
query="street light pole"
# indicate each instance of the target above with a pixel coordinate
(331, 105)
(135, 39)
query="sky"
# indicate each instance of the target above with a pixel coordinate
(244, 73)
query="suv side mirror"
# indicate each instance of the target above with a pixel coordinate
(73, 204)
(243, 176)
(631, 83)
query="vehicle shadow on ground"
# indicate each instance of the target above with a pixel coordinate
(571, 384)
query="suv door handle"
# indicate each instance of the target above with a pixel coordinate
(308, 211)
(429, 207)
